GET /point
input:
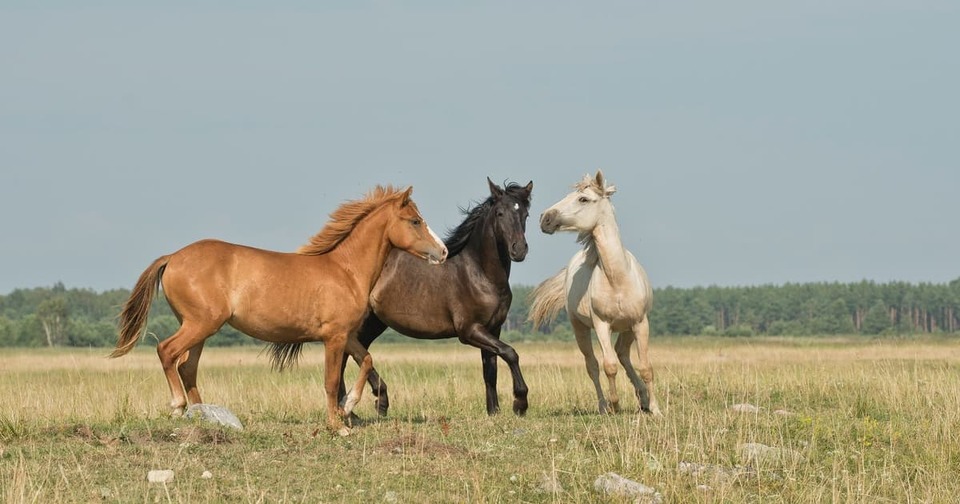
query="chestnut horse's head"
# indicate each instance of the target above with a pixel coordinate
(408, 231)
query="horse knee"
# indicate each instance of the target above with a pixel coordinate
(511, 356)
(646, 374)
(610, 368)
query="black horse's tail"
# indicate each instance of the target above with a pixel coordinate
(284, 355)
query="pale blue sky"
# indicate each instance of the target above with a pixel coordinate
(752, 142)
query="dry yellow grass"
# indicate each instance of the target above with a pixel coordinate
(872, 421)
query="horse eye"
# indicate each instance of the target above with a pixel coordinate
(415, 222)
(584, 199)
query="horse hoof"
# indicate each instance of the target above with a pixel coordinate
(177, 412)
(519, 408)
(343, 431)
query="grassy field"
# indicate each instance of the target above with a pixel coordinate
(869, 421)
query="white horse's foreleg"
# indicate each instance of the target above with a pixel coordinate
(623, 345)
(582, 333)
(648, 401)
(609, 361)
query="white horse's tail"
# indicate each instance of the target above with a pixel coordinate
(548, 299)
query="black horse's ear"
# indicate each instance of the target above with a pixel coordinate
(495, 190)
(528, 188)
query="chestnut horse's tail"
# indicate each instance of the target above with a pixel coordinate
(548, 299)
(133, 318)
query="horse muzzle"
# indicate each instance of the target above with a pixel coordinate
(549, 222)
(518, 251)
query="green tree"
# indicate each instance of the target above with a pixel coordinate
(53, 318)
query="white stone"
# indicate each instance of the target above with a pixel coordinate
(206, 475)
(160, 476)
(214, 414)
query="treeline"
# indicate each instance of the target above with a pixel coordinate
(792, 309)
(57, 316)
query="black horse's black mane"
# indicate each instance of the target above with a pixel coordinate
(458, 237)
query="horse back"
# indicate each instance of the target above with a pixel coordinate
(436, 302)
(266, 294)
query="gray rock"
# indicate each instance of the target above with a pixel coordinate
(549, 484)
(214, 414)
(613, 484)
(716, 473)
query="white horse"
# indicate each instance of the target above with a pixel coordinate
(603, 287)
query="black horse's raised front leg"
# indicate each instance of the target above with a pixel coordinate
(490, 345)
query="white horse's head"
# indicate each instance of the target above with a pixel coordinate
(582, 209)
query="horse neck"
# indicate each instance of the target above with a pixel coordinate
(604, 241)
(364, 251)
(493, 256)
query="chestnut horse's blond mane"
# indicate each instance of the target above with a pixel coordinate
(345, 218)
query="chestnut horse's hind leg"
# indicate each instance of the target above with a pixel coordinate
(171, 350)
(188, 373)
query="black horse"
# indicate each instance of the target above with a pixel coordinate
(467, 297)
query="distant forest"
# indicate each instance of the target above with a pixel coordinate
(58, 316)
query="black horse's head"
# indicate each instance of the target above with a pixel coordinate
(509, 208)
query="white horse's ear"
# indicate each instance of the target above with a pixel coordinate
(599, 179)
(609, 190)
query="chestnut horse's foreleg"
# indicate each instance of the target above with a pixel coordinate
(371, 329)
(362, 356)
(333, 367)
(188, 373)
(172, 350)
(582, 333)
(648, 401)
(610, 363)
(490, 348)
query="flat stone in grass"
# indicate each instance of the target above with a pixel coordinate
(745, 408)
(613, 484)
(160, 476)
(214, 414)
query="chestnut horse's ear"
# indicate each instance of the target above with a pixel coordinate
(405, 197)
(495, 190)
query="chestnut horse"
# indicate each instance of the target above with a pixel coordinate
(318, 293)
(603, 287)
